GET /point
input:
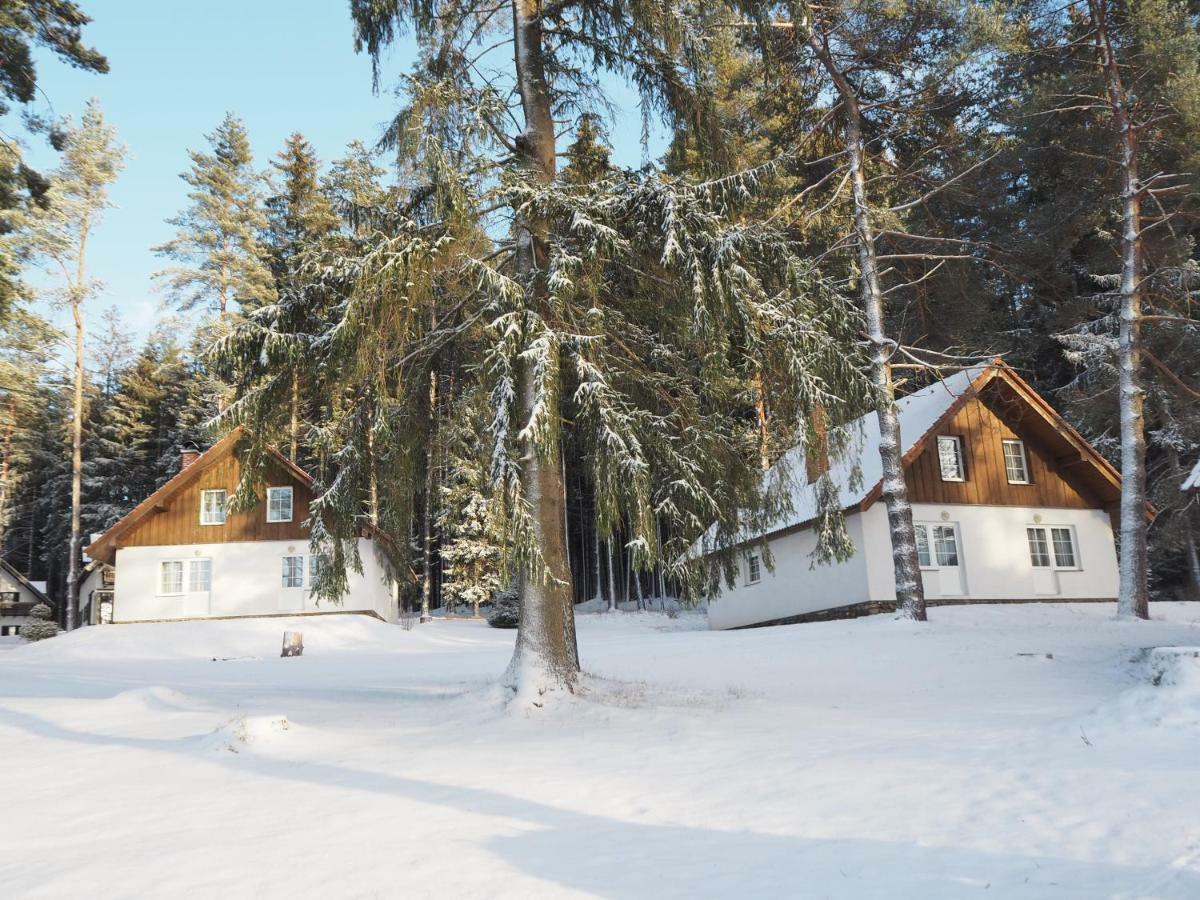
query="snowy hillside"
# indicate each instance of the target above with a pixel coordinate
(996, 752)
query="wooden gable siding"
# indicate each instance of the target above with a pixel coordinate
(179, 522)
(983, 423)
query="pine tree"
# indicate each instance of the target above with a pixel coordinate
(59, 235)
(25, 27)
(217, 243)
(298, 215)
(635, 309)
(471, 518)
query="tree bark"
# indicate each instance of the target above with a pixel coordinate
(294, 428)
(427, 518)
(72, 599)
(910, 592)
(612, 578)
(546, 656)
(10, 428)
(1134, 593)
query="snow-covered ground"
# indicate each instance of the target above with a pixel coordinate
(1017, 751)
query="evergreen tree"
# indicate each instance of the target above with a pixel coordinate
(42, 626)
(217, 243)
(298, 215)
(59, 235)
(26, 26)
(640, 306)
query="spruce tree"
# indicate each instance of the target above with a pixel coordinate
(220, 258)
(634, 310)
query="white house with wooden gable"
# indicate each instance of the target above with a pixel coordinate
(1010, 503)
(184, 553)
(18, 597)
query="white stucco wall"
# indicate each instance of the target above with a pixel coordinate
(247, 580)
(994, 553)
(7, 583)
(795, 587)
(993, 556)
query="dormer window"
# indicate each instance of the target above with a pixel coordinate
(279, 504)
(950, 458)
(212, 507)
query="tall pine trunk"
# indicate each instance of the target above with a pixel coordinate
(427, 518)
(1134, 594)
(10, 430)
(72, 600)
(910, 592)
(612, 578)
(546, 656)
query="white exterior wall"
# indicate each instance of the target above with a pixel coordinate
(993, 554)
(8, 583)
(247, 580)
(796, 586)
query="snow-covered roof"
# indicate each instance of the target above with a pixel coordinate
(1192, 483)
(919, 412)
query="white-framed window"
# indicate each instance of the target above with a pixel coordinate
(1016, 464)
(293, 571)
(753, 568)
(937, 545)
(924, 557)
(950, 457)
(212, 507)
(170, 576)
(945, 545)
(1052, 545)
(316, 563)
(279, 504)
(199, 575)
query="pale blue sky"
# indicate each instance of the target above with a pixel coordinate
(176, 68)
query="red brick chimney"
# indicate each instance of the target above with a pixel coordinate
(188, 455)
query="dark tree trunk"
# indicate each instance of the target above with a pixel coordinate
(546, 656)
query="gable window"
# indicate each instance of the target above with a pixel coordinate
(293, 571)
(1053, 546)
(279, 504)
(212, 507)
(753, 568)
(170, 576)
(1016, 465)
(950, 458)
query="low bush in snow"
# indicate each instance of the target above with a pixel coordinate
(505, 610)
(42, 626)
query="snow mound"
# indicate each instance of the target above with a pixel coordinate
(220, 640)
(1166, 695)
(244, 731)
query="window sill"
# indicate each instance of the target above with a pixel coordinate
(954, 480)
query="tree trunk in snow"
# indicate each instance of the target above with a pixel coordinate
(72, 599)
(597, 588)
(612, 578)
(10, 429)
(546, 656)
(910, 592)
(427, 517)
(1134, 593)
